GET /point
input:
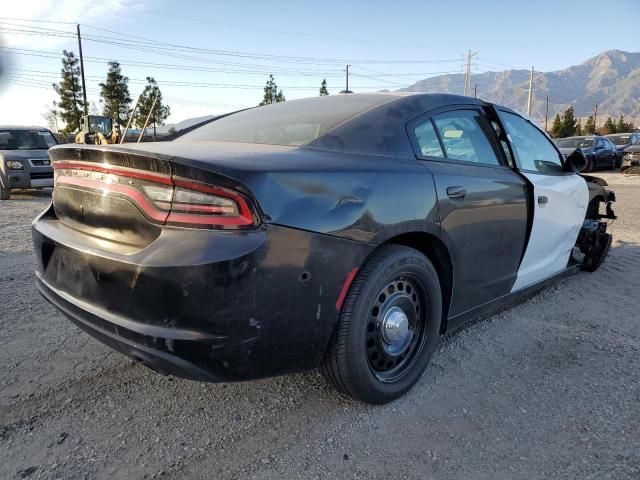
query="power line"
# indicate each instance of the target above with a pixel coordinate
(143, 41)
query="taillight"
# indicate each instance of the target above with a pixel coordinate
(197, 203)
(161, 198)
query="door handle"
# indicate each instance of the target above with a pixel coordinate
(543, 200)
(456, 192)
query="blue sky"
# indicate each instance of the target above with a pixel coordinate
(375, 37)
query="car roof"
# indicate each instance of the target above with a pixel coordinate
(23, 127)
(403, 106)
(582, 136)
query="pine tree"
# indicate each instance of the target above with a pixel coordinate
(609, 126)
(115, 95)
(622, 126)
(568, 123)
(271, 93)
(556, 127)
(589, 126)
(579, 128)
(323, 88)
(70, 106)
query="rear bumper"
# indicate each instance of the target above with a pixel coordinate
(153, 351)
(628, 161)
(206, 305)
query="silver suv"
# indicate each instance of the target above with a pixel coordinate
(24, 162)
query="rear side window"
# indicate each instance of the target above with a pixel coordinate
(464, 137)
(534, 150)
(428, 139)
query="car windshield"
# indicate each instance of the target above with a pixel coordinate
(575, 143)
(26, 140)
(293, 123)
(620, 139)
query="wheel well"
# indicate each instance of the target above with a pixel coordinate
(433, 248)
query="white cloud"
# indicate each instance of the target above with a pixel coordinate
(89, 12)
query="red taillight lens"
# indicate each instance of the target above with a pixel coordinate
(162, 199)
(197, 203)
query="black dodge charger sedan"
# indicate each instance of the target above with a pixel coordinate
(344, 232)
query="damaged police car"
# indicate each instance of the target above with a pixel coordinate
(343, 232)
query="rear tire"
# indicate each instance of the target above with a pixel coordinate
(388, 328)
(5, 193)
(589, 167)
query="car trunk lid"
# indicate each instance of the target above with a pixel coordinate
(125, 196)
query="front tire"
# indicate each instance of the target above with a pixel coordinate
(5, 193)
(388, 328)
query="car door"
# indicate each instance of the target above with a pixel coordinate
(482, 203)
(611, 148)
(600, 153)
(559, 202)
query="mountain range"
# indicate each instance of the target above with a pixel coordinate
(610, 79)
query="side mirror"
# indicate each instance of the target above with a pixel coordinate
(575, 162)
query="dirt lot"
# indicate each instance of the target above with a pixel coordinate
(548, 389)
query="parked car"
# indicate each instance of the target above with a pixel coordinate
(599, 151)
(631, 157)
(346, 232)
(24, 162)
(621, 142)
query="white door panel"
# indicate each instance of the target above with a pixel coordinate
(556, 225)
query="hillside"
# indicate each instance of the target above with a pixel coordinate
(611, 79)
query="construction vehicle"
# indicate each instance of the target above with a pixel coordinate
(98, 130)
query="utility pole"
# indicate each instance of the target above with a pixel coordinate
(133, 112)
(467, 74)
(475, 90)
(595, 116)
(530, 92)
(546, 116)
(84, 88)
(146, 122)
(346, 78)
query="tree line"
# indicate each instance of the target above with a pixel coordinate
(274, 95)
(114, 96)
(116, 99)
(567, 125)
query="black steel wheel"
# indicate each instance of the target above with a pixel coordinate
(388, 328)
(396, 330)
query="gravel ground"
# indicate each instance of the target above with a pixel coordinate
(548, 389)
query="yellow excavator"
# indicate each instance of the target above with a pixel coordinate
(98, 130)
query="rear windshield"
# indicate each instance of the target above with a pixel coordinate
(26, 140)
(575, 143)
(293, 123)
